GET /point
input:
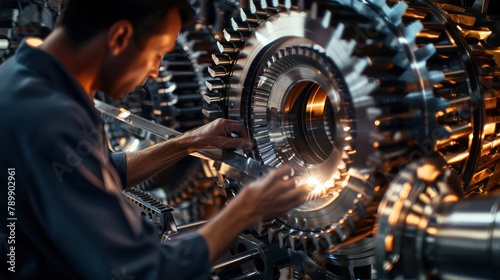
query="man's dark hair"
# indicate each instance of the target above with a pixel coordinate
(84, 19)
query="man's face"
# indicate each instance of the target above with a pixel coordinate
(131, 68)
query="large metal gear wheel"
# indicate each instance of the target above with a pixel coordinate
(471, 84)
(339, 90)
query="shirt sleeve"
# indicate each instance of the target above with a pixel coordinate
(86, 224)
(119, 161)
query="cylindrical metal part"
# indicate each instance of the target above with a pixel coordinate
(463, 240)
(237, 259)
(247, 276)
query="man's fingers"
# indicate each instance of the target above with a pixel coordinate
(293, 197)
(286, 201)
(232, 126)
(284, 172)
(237, 143)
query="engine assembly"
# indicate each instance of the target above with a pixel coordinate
(388, 107)
(353, 94)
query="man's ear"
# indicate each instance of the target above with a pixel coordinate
(120, 35)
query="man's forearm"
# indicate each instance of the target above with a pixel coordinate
(222, 229)
(143, 164)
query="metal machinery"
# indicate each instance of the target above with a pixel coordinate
(21, 18)
(390, 108)
(361, 96)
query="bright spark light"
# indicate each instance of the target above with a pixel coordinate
(318, 188)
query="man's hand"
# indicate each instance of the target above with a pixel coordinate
(217, 134)
(143, 164)
(269, 196)
(272, 195)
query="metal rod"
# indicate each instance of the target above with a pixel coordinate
(237, 259)
(464, 239)
(136, 121)
(247, 276)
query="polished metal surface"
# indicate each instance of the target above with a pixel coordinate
(364, 97)
(470, 65)
(426, 229)
(350, 92)
(317, 90)
(126, 116)
(403, 216)
(463, 239)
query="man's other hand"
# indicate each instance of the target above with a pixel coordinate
(272, 195)
(218, 134)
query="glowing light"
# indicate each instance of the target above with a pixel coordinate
(124, 113)
(319, 189)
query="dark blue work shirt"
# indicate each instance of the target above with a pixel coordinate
(68, 219)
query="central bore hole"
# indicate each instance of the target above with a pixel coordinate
(310, 121)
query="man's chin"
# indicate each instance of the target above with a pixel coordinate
(118, 95)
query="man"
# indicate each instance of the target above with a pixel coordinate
(69, 220)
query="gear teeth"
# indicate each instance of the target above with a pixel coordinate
(412, 30)
(360, 211)
(233, 36)
(339, 231)
(397, 11)
(352, 69)
(435, 77)
(295, 243)
(284, 242)
(339, 30)
(329, 239)
(362, 86)
(217, 71)
(425, 52)
(349, 46)
(300, 5)
(262, 4)
(313, 13)
(239, 26)
(317, 240)
(213, 97)
(222, 59)
(262, 227)
(361, 64)
(379, 3)
(215, 85)
(251, 5)
(212, 113)
(249, 18)
(327, 17)
(272, 232)
(305, 241)
(227, 47)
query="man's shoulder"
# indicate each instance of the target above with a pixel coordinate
(33, 105)
(28, 92)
